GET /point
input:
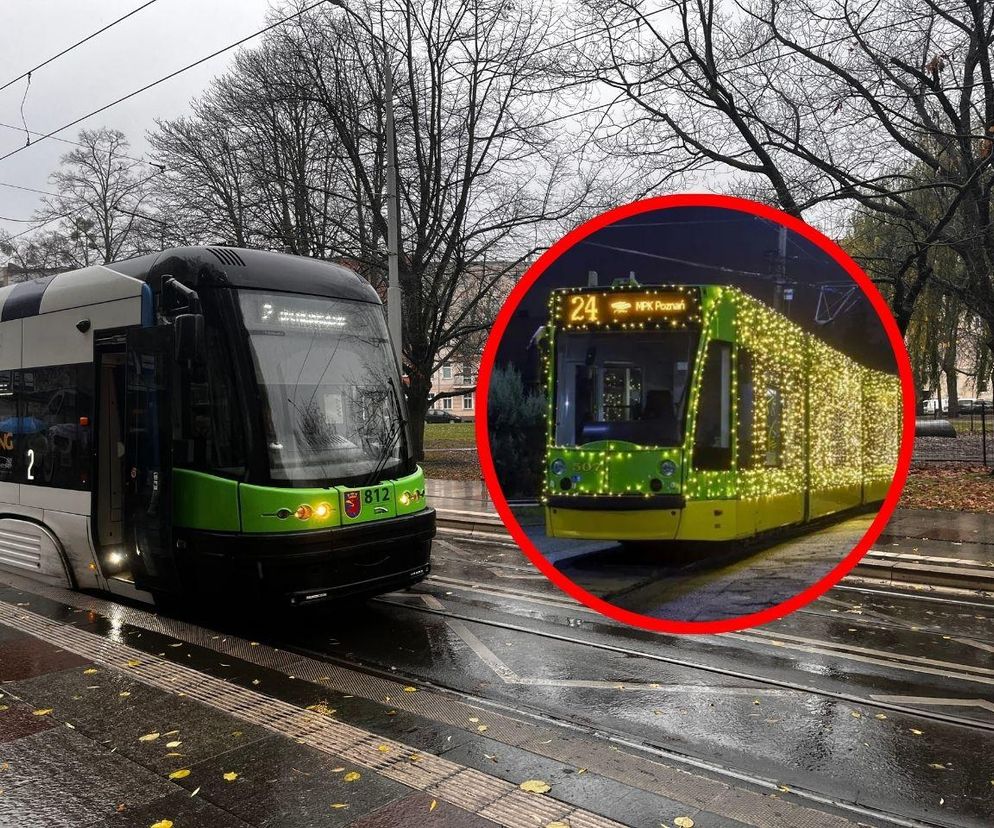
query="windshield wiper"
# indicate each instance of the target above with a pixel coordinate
(391, 440)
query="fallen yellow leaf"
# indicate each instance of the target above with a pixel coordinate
(163, 823)
(89, 671)
(557, 824)
(683, 822)
(339, 805)
(352, 776)
(4, 707)
(434, 805)
(173, 744)
(149, 737)
(43, 712)
(124, 694)
(195, 792)
(180, 774)
(916, 732)
(230, 776)
(134, 663)
(482, 728)
(535, 786)
(880, 716)
(410, 689)
(383, 748)
(937, 766)
(322, 708)
(173, 755)
(337, 770)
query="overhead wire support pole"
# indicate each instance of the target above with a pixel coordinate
(394, 320)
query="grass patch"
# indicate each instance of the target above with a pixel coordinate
(452, 465)
(449, 435)
(962, 424)
(958, 490)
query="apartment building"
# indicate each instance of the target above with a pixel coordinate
(457, 379)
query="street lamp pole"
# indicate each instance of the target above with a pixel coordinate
(394, 322)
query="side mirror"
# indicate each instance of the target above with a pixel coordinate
(188, 337)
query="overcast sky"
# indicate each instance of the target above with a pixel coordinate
(152, 43)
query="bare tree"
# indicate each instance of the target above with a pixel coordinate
(484, 181)
(101, 193)
(288, 151)
(825, 108)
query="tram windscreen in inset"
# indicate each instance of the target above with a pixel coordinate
(620, 386)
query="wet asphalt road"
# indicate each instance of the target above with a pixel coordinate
(880, 698)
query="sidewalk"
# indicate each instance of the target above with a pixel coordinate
(84, 744)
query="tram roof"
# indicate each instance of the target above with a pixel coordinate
(195, 267)
(243, 268)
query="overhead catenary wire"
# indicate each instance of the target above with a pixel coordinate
(675, 260)
(28, 189)
(164, 78)
(68, 49)
(162, 167)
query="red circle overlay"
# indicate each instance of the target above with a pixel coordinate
(907, 434)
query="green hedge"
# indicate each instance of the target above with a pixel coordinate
(516, 423)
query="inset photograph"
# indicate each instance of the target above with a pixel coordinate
(694, 413)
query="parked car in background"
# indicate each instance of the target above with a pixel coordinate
(930, 407)
(440, 415)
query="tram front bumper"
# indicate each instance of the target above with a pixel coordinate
(303, 568)
(619, 518)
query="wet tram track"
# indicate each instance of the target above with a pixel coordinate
(954, 617)
(955, 672)
(979, 646)
(710, 723)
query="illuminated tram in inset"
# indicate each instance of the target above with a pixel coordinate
(699, 413)
(209, 422)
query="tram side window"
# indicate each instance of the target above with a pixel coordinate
(226, 452)
(55, 426)
(773, 457)
(713, 436)
(744, 436)
(9, 427)
(207, 425)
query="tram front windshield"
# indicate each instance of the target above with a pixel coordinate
(623, 385)
(329, 388)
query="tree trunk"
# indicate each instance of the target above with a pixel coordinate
(417, 408)
(949, 368)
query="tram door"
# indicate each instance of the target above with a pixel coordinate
(147, 518)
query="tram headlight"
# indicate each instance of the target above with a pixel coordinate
(558, 466)
(322, 510)
(667, 468)
(304, 512)
(405, 498)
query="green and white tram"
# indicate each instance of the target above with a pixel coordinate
(207, 422)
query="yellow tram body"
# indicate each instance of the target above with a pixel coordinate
(698, 413)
